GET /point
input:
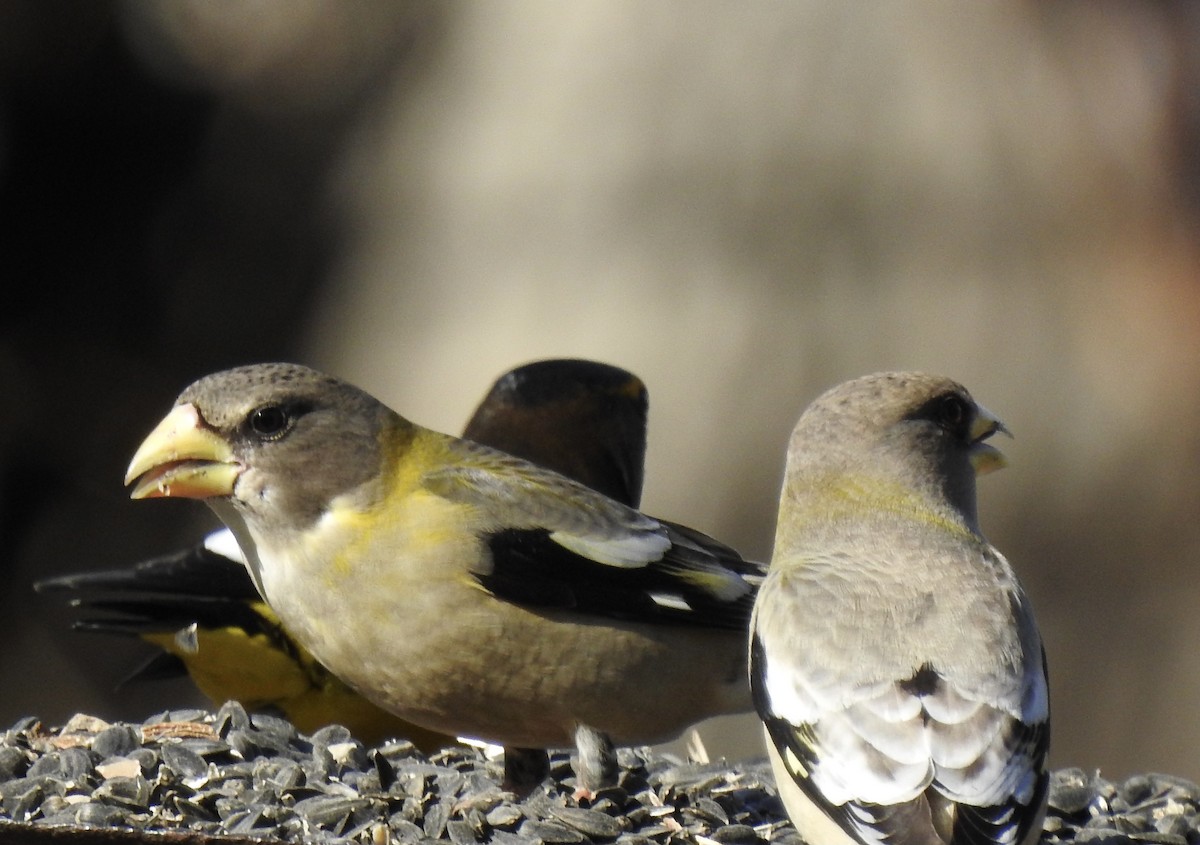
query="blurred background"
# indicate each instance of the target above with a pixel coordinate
(742, 203)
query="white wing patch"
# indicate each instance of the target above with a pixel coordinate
(886, 768)
(671, 601)
(888, 745)
(629, 551)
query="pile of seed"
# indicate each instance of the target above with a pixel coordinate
(231, 774)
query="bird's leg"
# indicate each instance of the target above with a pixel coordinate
(595, 763)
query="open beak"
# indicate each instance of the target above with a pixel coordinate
(183, 457)
(985, 457)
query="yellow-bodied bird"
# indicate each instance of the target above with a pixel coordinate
(895, 661)
(464, 589)
(582, 418)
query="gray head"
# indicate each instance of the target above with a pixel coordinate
(922, 432)
(273, 440)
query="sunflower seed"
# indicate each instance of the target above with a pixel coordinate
(185, 763)
(116, 741)
(549, 831)
(590, 822)
(735, 834)
(94, 814)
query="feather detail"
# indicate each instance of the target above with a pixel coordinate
(533, 568)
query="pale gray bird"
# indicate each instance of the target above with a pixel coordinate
(894, 657)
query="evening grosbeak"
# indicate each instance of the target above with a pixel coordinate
(894, 658)
(462, 588)
(584, 419)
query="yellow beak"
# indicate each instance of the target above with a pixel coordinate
(183, 457)
(985, 457)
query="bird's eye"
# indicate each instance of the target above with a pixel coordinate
(952, 411)
(269, 421)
